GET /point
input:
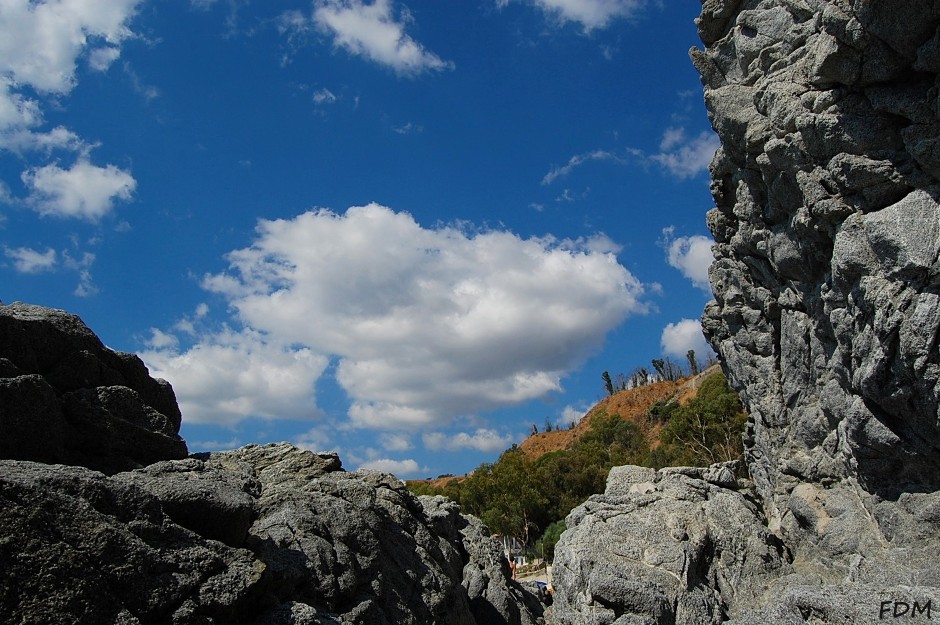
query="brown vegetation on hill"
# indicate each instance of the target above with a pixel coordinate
(630, 405)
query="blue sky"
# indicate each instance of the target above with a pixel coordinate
(406, 231)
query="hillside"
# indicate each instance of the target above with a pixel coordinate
(532, 487)
(630, 405)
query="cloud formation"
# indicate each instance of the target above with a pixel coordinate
(395, 467)
(230, 376)
(590, 14)
(483, 439)
(40, 47)
(678, 338)
(372, 31)
(28, 260)
(425, 324)
(83, 190)
(575, 162)
(692, 256)
(684, 157)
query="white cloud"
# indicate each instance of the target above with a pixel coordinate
(230, 376)
(395, 442)
(482, 439)
(214, 445)
(84, 190)
(324, 96)
(40, 46)
(671, 138)
(427, 324)
(162, 340)
(41, 41)
(27, 260)
(690, 255)
(573, 414)
(395, 467)
(686, 158)
(371, 30)
(100, 59)
(317, 438)
(678, 338)
(577, 161)
(590, 14)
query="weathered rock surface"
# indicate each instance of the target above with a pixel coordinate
(827, 319)
(66, 398)
(260, 535)
(263, 535)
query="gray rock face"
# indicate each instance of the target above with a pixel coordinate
(268, 535)
(826, 316)
(66, 398)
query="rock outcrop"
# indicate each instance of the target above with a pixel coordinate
(66, 398)
(827, 319)
(263, 535)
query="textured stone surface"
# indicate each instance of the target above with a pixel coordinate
(126, 528)
(826, 316)
(65, 397)
(261, 535)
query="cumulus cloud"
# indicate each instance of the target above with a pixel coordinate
(590, 14)
(425, 324)
(41, 44)
(395, 442)
(683, 157)
(483, 439)
(374, 32)
(678, 338)
(395, 467)
(42, 41)
(28, 260)
(317, 438)
(690, 255)
(83, 190)
(230, 376)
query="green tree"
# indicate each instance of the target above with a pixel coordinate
(513, 504)
(608, 383)
(708, 428)
(546, 544)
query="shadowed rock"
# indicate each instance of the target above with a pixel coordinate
(66, 398)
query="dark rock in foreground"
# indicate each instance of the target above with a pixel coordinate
(104, 518)
(261, 535)
(66, 398)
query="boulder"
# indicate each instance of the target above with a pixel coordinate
(66, 398)
(263, 535)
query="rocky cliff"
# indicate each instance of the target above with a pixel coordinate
(826, 316)
(105, 519)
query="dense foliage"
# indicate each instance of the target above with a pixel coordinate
(527, 498)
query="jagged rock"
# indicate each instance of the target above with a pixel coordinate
(263, 535)
(104, 518)
(826, 317)
(663, 547)
(65, 397)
